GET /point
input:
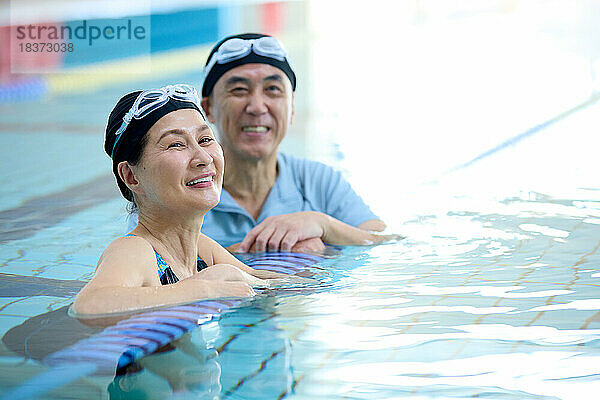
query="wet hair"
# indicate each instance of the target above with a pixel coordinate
(133, 139)
(218, 70)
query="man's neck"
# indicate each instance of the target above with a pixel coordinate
(249, 181)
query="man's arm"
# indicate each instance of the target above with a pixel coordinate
(333, 200)
(283, 232)
(315, 244)
(373, 225)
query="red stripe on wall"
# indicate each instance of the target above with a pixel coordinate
(271, 17)
(5, 54)
(19, 52)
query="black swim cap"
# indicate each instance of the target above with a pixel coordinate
(130, 142)
(218, 70)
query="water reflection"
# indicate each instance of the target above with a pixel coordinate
(479, 300)
(485, 298)
(189, 365)
(246, 351)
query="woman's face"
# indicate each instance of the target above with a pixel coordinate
(181, 164)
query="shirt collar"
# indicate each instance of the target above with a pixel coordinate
(283, 188)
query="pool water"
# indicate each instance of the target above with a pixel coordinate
(495, 303)
(494, 293)
(488, 296)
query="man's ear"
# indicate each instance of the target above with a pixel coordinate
(293, 109)
(127, 176)
(205, 103)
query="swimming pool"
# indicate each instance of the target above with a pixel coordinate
(495, 292)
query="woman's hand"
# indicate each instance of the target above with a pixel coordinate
(232, 274)
(282, 232)
(226, 280)
(212, 289)
(229, 273)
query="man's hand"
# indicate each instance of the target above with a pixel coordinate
(283, 232)
(312, 245)
(307, 231)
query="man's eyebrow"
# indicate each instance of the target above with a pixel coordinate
(239, 79)
(236, 79)
(181, 132)
(274, 77)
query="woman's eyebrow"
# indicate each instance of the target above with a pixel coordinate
(181, 132)
(174, 131)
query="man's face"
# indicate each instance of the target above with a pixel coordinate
(251, 106)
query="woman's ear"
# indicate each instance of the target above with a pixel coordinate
(128, 176)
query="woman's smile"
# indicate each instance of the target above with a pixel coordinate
(202, 181)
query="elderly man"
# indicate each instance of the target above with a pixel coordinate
(270, 201)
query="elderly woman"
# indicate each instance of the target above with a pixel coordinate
(168, 164)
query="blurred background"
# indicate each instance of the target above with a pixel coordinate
(403, 96)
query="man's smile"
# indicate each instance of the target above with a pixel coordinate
(255, 129)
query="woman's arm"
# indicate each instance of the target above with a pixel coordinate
(124, 282)
(115, 299)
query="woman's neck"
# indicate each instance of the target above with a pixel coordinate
(174, 238)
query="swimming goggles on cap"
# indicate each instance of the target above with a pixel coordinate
(150, 100)
(236, 48)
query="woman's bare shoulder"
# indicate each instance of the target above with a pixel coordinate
(127, 260)
(126, 247)
(209, 250)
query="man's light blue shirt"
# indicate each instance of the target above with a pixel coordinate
(301, 185)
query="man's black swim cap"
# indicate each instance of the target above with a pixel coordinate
(212, 76)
